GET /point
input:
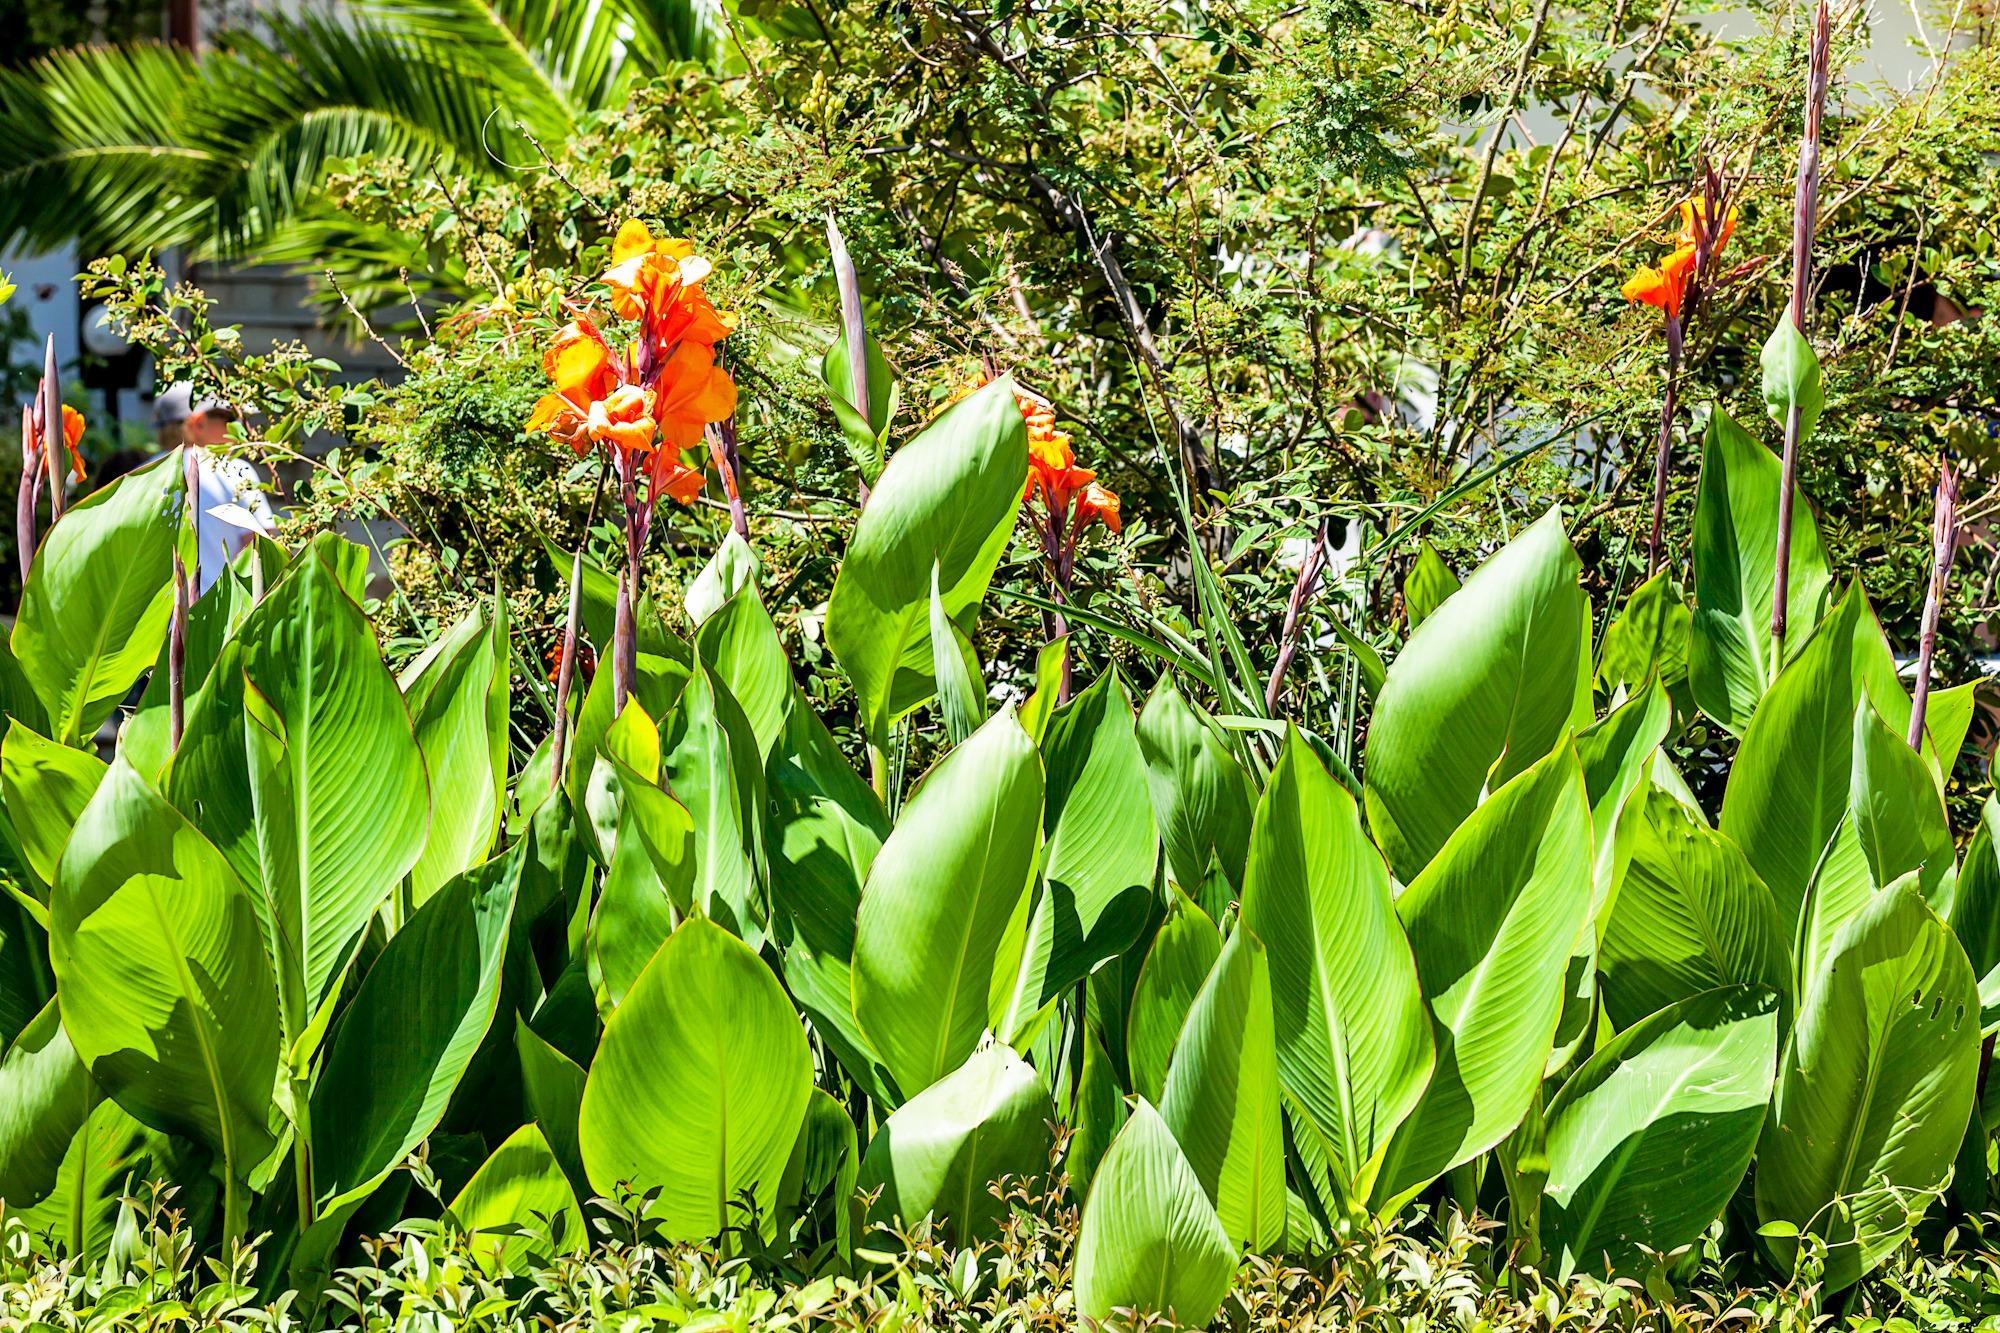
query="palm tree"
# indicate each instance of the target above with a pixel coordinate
(142, 146)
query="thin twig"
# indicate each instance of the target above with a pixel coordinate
(362, 320)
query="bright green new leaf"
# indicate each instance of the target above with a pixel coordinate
(1691, 916)
(46, 787)
(1353, 1035)
(711, 763)
(1735, 557)
(1429, 583)
(1792, 378)
(1649, 640)
(733, 568)
(1482, 690)
(961, 692)
(94, 612)
(1899, 816)
(939, 1152)
(1649, 1139)
(699, 1085)
(939, 897)
(1875, 1088)
(1202, 799)
(1221, 1095)
(518, 1206)
(411, 1030)
(166, 991)
(1150, 1242)
(1493, 922)
(1183, 952)
(457, 697)
(946, 501)
(552, 1093)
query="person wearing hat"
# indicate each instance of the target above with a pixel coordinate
(231, 511)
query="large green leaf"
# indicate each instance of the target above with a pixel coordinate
(413, 1027)
(1183, 952)
(166, 991)
(947, 499)
(1649, 1139)
(1649, 641)
(1102, 850)
(44, 1100)
(939, 897)
(1429, 583)
(1899, 815)
(1221, 1095)
(300, 764)
(95, 608)
(518, 1207)
(1482, 690)
(1789, 786)
(741, 646)
(1735, 560)
(940, 1152)
(1354, 1037)
(46, 786)
(1875, 1089)
(552, 1095)
(1691, 916)
(1097, 1115)
(1202, 798)
(1975, 910)
(109, 1159)
(699, 1086)
(457, 697)
(1493, 922)
(712, 764)
(1150, 1242)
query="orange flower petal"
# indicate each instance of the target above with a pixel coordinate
(634, 238)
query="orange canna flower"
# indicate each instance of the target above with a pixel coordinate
(73, 436)
(1694, 221)
(670, 475)
(659, 279)
(1664, 286)
(1098, 503)
(624, 419)
(693, 392)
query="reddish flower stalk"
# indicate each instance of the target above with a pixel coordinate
(722, 450)
(566, 670)
(1805, 223)
(1944, 541)
(1664, 451)
(1288, 640)
(24, 500)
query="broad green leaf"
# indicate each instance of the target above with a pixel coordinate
(647, 888)
(712, 764)
(1792, 378)
(111, 1157)
(961, 693)
(835, 368)
(552, 1094)
(1102, 850)
(1429, 583)
(45, 1096)
(825, 827)
(740, 645)
(457, 697)
(46, 787)
(733, 568)
(1616, 755)
(1874, 1090)
(1735, 561)
(1150, 1242)
(1203, 800)
(1493, 922)
(1353, 1035)
(939, 897)
(94, 611)
(1790, 783)
(1221, 1095)
(300, 764)
(1373, 671)
(1649, 1139)
(1649, 641)
(939, 1152)
(414, 1025)
(946, 500)
(1899, 817)
(518, 1207)
(1097, 1117)
(1183, 952)
(166, 991)
(699, 1086)
(1691, 916)
(1482, 690)
(822, 1170)
(1975, 911)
